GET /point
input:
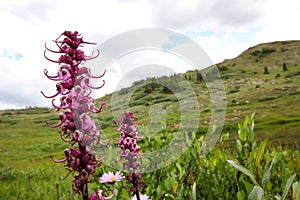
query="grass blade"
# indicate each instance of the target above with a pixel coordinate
(256, 194)
(194, 193)
(267, 174)
(287, 186)
(260, 152)
(243, 170)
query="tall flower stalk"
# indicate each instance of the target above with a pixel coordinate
(130, 151)
(76, 106)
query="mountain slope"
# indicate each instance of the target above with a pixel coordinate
(264, 79)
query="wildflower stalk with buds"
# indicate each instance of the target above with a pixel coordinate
(77, 127)
(130, 151)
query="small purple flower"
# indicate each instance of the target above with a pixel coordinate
(110, 177)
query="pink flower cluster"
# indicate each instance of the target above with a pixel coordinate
(74, 88)
(130, 151)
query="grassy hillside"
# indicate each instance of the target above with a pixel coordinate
(264, 79)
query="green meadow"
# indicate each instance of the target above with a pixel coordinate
(264, 79)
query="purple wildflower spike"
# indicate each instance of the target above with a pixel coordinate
(130, 151)
(74, 90)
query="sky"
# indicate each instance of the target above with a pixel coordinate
(223, 28)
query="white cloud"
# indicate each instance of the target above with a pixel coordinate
(281, 21)
(224, 28)
(214, 14)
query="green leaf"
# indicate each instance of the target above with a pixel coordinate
(159, 190)
(194, 135)
(251, 135)
(194, 196)
(248, 186)
(252, 123)
(260, 152)
(169, 182)
(267, 174)
(163, 125)
(158, 142)
(239, 145)
(242, 134)
(187, 140)
(240, 195)
(169, 138)
(175, 187)
(287, 186)
(269, 185)
(224, 137)
(296, 191)
(243, 170)
(179, 168)
(246, 122)
(125, 194)
(256, 194)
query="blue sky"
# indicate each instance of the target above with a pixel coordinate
(223, 28)
(11, 54)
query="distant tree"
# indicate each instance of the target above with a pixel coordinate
(150, 87)
(284, 67)
(266, 70)
(166, 90)
(222, 68)
(199, 76)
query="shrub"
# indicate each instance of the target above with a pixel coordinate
(266, 71)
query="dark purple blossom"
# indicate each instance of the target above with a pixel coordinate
(73, 88)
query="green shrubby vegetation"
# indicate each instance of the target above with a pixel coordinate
(252, 169)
